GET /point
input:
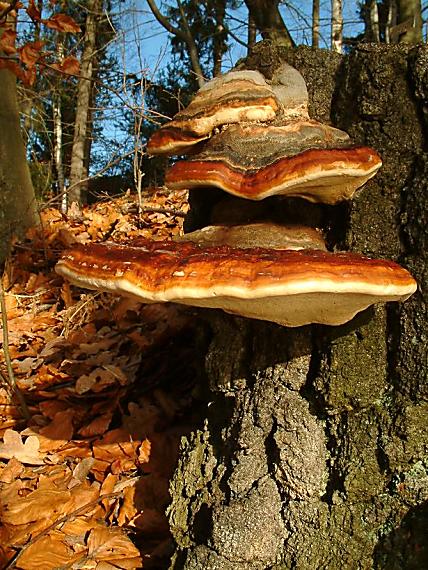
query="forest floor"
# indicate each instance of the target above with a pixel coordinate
(107, 384)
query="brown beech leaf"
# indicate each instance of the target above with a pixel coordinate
(69, 65)
(26, 76)
(50, 503)
(27, 453)
(144, 451)
(111, 545)
(62, 23)
(33, 11)
(31, 52)
(7, 42)
(48, 553)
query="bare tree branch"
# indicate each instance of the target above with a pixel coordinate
(184, 35)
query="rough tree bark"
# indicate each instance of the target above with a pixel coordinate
(18, 209)
(314, 451)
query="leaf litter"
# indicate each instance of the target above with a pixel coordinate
(84, 483)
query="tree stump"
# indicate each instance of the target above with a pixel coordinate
(313, 453)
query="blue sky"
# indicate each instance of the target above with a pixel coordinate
(153, 39)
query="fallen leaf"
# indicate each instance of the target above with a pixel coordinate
(110, 545)
(27, 453)
(47, 553)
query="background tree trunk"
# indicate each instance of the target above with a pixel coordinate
(78, 167)
(409, 21)
(18, 209)
(314, 450)
(220, 38)
(269, 21)
(336, 25)
(315, 23)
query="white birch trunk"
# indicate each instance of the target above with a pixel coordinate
(374, 21)
(336, 25)
(59, 167)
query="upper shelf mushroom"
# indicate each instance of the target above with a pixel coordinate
(236, 97)
(301, 158)
(291, 288)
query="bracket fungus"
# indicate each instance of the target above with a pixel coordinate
(303, 159)
(236, 97)
(262, 234)
(292, 288)
(255, 140)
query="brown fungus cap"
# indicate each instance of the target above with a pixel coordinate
(262, 234)
(238, 96)
(302, 158)
(292, 288)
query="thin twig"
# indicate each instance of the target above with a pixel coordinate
(12, 381)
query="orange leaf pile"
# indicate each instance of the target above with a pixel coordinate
(88, 474)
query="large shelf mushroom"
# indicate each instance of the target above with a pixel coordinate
(288, 287)
(253, 140)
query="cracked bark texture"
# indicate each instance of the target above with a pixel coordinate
(314, 450)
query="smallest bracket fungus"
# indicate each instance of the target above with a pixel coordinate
(292, 288)
(235, 97)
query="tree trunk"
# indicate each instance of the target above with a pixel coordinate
(220, 38)
(78, 169)
(313, 453)
(59, 165)
(336, 25)
(370, 11)
(252, 34)
(18, 210)
(184, 33)
(410, 18)
(269, 21)
(315, 23)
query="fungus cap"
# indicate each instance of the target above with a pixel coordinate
(292, 288)
(262, 234)
(238, 96)
(302, 158)
(290, 88)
